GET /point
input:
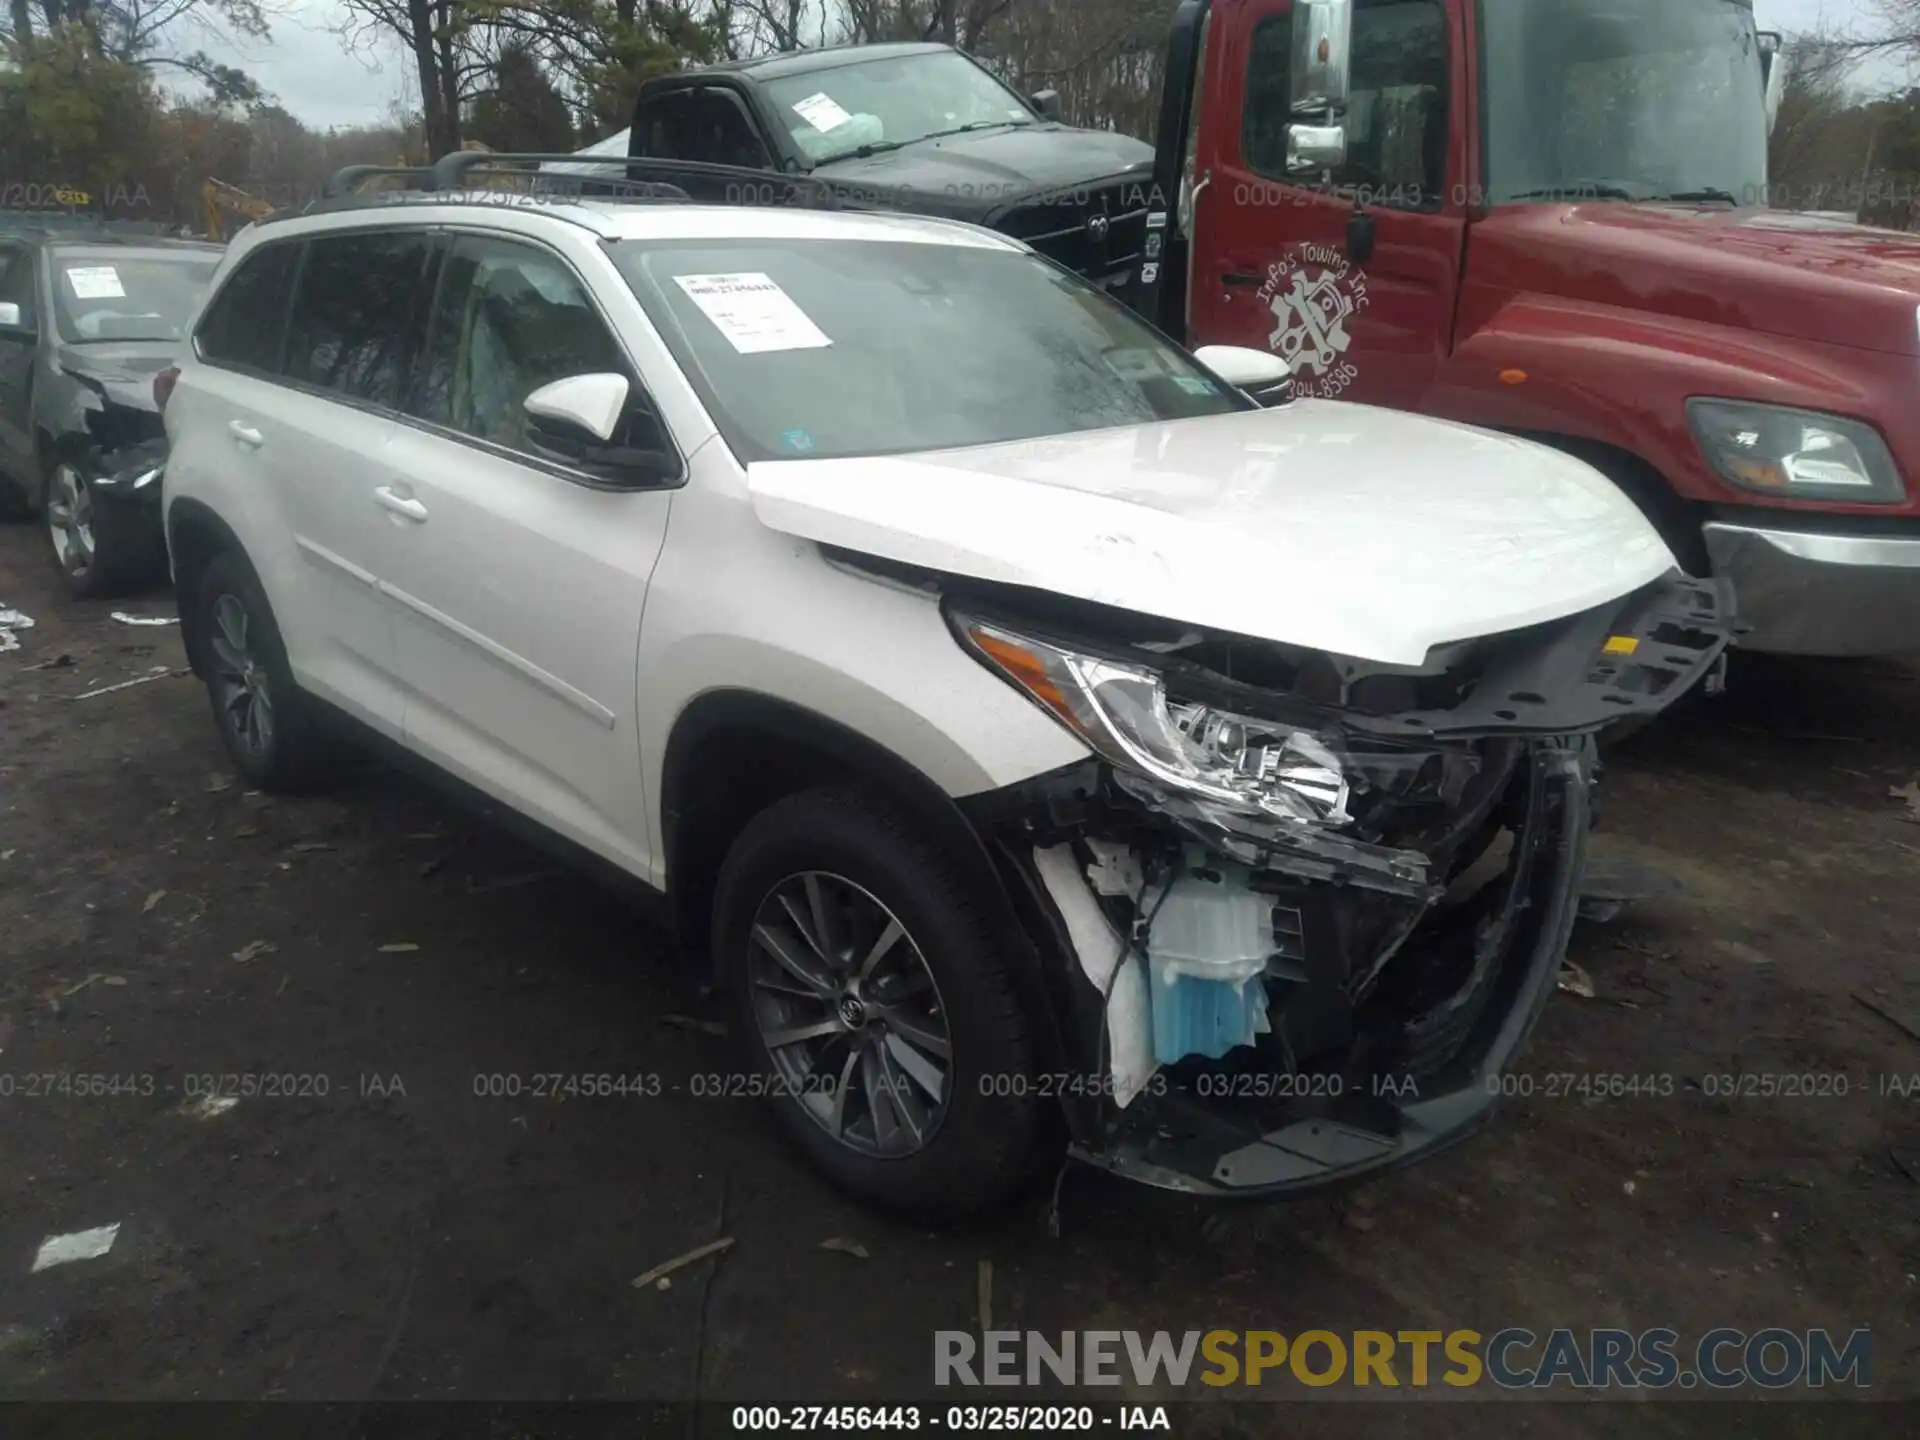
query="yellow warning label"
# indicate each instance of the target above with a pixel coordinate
(1620, 645)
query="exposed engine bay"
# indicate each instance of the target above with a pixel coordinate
(1307, 907)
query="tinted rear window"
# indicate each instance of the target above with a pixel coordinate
(246, 322)
(353, 320)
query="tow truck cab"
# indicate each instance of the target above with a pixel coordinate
(1552, 219)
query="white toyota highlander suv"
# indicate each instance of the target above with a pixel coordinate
(1051, 747)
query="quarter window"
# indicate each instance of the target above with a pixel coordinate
(510, 318)
(246, 322)
(353, 317)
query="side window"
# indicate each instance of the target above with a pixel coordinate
(352, 325)
(722, 131)
(246, 321)
(1396, 112)
(1268, 108)
(654, 130)
(510, 318)
(16, 280)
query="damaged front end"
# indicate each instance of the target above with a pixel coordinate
(1303, 911)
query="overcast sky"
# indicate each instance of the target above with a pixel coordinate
(307, 66)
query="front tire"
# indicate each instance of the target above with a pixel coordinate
(874, 1006)
(269, 727)
(99, 550)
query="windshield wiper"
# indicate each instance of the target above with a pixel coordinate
(1707, 194)
(880, 147)
(1578, 190)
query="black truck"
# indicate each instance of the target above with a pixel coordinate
(921, 128)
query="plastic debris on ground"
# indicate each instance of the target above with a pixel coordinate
(80, 1245)
(125, 619)
(10, 621)
(658, 1275)
(846, 1247)
(1576, 981)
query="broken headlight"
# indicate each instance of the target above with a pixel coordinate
(1254, 766)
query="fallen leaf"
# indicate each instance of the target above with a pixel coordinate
(1576, 981)
(217, 783)
(152, 900)
(1909, 792)
(846, 1247)
(308, 846)
(253, 949)
(398, 947)
(113, 979)
(246, 830)
(1355, 1220)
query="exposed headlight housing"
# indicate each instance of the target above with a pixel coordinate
(1771, 450)
(1253, 766)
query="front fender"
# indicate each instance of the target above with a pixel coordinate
(1622, 378)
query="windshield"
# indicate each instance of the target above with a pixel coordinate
(127, 295)
(1623, 99)
(815, 349)
(891, 102)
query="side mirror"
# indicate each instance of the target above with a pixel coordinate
(1773, 73)
(1322, 69)
(12, 322)
(580, 402)
(1322, 57)
(1262, 375)
(1047, 102)
(583, 420)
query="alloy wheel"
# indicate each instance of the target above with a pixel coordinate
(240, 679)
(850, 1014)
(70, 520)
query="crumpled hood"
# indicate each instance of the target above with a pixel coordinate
(1802, 276)
(1362, 532)
(123, 371)
(995, 167)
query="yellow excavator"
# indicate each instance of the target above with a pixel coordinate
(222, 198)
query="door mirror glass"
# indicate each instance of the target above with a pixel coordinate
(1312, 148)
(1244, 368)
(1322, 58)
(1047, 102)
(591, 403)
(12, 320)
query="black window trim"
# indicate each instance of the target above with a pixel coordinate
(1432, 205)
(446, 235)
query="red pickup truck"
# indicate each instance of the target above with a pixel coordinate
(1552, 218)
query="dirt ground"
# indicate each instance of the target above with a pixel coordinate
(401, 1236)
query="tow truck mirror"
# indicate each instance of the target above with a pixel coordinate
(1773, 73)
(1047, 102)
(1322, 57)
(1322, 66)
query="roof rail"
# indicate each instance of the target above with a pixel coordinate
(634, 177)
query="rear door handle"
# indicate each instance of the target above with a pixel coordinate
(1240, 277)
(246, 435)
(400, 504)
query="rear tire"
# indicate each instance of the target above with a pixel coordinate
(844, 865)
(271, 730)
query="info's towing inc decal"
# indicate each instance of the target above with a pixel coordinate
(1314, 291)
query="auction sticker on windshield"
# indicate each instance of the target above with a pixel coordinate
(754, 314)
(95, 282)
(821, 111)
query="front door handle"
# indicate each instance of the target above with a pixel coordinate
(245, 435)
(400, 504)
(1240, 277)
